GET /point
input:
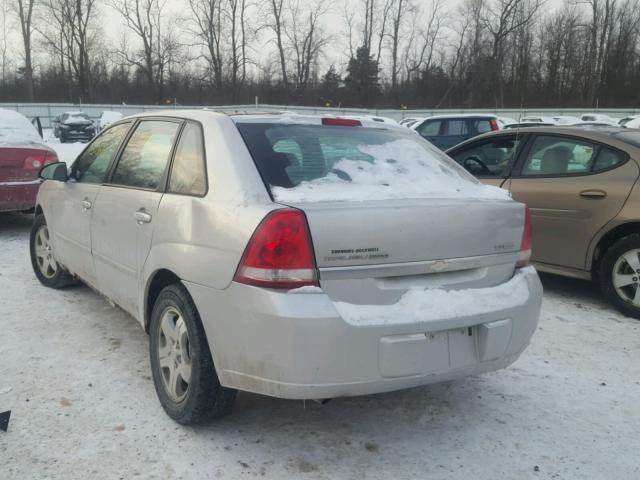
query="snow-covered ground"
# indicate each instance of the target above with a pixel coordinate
(75, 374)
(67, 152)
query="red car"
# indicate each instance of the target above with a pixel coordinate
(22, 155)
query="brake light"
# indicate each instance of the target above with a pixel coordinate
(494, 124)
(527, 240)
(341, 122)
(280, 253)
(36, 162)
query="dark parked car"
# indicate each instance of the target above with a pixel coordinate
(445, 131)
(73, 126)
(22, 155)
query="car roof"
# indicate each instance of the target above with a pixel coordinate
(619, 137)
(265, 117)
(460, 115)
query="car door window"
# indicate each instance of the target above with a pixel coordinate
(430, 128)
(188, 174)
(555, 156)
(144, 159)
(608, 158)
(93, 163)
(489, 158)
(457, 127)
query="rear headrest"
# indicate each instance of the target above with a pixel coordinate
(555, 160)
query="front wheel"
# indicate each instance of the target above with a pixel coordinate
(181, 364)
(47, 269)
(620, 275)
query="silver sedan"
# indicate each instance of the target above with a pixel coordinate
(293, 256)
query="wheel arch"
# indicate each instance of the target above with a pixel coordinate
(160, 279)
(38, 210)
(608, 239)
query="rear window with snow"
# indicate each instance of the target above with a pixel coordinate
(312, 163)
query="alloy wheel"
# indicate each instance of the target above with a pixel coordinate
(174, 356)
(44, 253)
(626, 277)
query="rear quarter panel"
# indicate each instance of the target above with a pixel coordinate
(630, 213)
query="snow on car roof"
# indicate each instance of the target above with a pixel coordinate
(298, 119)
(461, 115)
(15, 129)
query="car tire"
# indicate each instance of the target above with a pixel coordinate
(47, 270)
(178, 348)
(619, 275)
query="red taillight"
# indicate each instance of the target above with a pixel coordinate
(527, 240)
(280, 253)
(341, 122)
(494, 124)
(39, 160)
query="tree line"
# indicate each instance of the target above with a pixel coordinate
(350, 53)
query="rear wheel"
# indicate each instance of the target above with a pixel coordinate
(183, 371)
(45, 266)
(620, 275)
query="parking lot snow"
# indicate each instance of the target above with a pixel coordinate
(75, 374)
(67, 152)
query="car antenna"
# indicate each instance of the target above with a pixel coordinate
(515, 148)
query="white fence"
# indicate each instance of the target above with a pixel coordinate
(47, 111)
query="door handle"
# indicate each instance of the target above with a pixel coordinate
(142, 216)
(86, 204)
(593, 193)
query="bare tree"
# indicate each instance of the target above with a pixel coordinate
(207, 19)
(68, 26)
(599, 26)
(501, 18)
(237, 17)
(24, 10)
(276, 23)
(4, 37)
(306, 37)
(400, 9)
(144, 18)
(424, 38)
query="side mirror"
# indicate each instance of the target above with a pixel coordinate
(55, 171)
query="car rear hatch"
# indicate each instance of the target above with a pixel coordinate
(386, 211)
(373, 252)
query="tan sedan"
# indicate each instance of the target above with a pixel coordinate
(581, 184)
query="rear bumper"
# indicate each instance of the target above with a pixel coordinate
(298, 346)
(66, 135)
(18, 195)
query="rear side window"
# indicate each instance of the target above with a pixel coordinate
(188, 175)
(144, 159)
(481, 125)
(608, 158)
(430, 128)
(92, 165)
(307, 163)
(558, 156)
